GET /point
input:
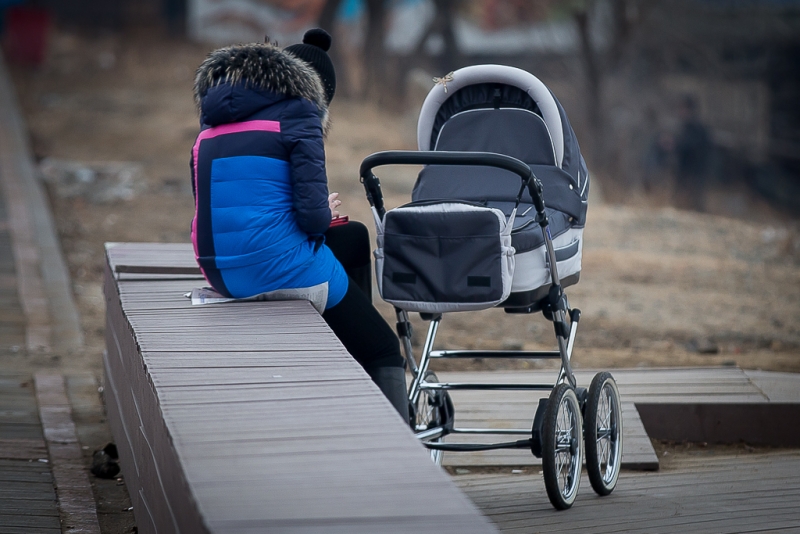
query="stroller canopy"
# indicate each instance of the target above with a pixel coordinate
(436, 106)
(496, 108)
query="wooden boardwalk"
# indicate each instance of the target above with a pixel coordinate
(252, 417)
(43, 482)
(725, 405)
(51, 321)
(706, 493)
(27, 496)
(232, 419)
(12, 318)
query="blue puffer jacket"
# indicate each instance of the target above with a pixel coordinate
(258, 174)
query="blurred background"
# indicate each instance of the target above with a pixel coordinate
(687, 112)
(698, 92)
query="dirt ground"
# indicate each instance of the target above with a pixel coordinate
(659, 287)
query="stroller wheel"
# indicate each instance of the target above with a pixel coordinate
(562, 447)
(433, 409)
(603, 433)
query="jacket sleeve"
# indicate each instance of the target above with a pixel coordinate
(303, 134)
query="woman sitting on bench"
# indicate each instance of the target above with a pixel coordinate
(262, 208)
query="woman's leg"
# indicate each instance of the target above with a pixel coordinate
(373, 344)
(351, 245)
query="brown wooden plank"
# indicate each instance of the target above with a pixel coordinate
(41, 508)
(15, 523)
(777, 387)
(216, 319)
(156, 269)
(148, 253)
(388, 525)
(23, 449)
(267, 358)
(27, 497)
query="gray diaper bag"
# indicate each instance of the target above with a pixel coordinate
(444, 256)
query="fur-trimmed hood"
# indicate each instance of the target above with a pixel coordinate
(264, 68)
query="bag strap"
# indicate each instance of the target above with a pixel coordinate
(511, 218)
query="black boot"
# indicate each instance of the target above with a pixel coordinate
(392, 382)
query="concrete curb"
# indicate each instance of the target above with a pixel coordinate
(75, 498)
(44, 286)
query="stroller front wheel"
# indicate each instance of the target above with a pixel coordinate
(603, 433)
(562, 447)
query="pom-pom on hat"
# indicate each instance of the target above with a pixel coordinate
(314, 51)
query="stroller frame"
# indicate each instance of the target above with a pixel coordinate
(567, 403)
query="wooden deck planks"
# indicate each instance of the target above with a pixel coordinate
(640, 385)
(712, 493)
(43, 283)
(12, 317)
(777, 387)
(697, 404)
(27, 495)
(253, 418)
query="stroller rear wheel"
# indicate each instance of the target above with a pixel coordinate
(603, 433)
(562, 447)
(432, 409)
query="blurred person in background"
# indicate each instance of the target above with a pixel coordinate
(657, 161)
(693, 148)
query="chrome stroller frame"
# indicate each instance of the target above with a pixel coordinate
(557, 434)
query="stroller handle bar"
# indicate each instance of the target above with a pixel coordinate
(487, 159)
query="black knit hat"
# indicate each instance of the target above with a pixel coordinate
(313, 51)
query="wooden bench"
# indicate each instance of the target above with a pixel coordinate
(252, 417)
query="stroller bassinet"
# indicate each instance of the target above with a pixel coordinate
(504, 110)
(496, 219)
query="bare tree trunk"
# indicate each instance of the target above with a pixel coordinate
(622, 32)
(597, 66)
(374, 51)
(451, 56)
(593, 83)
(442, 24)
(327, 21)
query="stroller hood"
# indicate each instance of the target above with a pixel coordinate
(458, 102)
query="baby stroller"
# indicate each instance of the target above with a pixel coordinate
(496, 220)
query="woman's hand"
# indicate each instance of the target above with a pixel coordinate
(333, 204)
